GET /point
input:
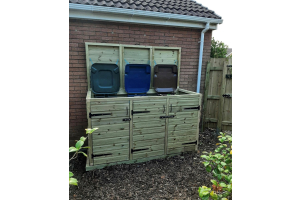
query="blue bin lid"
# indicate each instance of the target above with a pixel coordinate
(105, 78)
(137, 78)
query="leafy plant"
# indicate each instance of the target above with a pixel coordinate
(220, 164)
(218, 49)
(77, 150)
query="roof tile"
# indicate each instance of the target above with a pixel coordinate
(182, 7)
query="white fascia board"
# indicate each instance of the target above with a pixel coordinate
(139, 16)
(75, 14)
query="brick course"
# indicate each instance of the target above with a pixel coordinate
(81, 31)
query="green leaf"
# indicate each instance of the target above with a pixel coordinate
(224, 199)
(83, 153)
(79, 144)
(214, 182)
(70, 174)
(203, 191)
(224, 164)
(223, 184)
(72, 149)
(82, 139)
(205, 197)
(228, 161)
(85, 147)
(205, 156)
(206, 163)
(208, 168)
(73, 181)
(90, 131)
(213, 195)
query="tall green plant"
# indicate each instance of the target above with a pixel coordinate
(220, 164)
(77, 150)
(218, 49)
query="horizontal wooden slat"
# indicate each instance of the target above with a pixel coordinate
(111, 147)
(179, 145)
(107, 141)
(180, 115)
(183, 139)
(99, 134)
(182, 133)
(193, 120)
(147, 117)
(184, 102)
(107, 121)
(152, 147)
(109, 159)
(148, 136)
(117, 113)
(114, 127)
(143, 131)
(153, 111)
(144, 143)
(109, 107)
(117, 152)
(212, 97)
(228, 123)
(149, 124)
(160, 104)
(182, 127)
(109, 101)
(181, 149)
(146, 154)
(185, 108)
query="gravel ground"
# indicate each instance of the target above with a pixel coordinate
(175, 177)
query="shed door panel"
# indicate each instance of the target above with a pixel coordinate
(148, 128)
(111, 140)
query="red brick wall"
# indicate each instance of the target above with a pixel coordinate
(81, 31)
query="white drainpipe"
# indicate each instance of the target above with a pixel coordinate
(200, 56)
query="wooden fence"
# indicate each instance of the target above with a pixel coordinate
(217, 108)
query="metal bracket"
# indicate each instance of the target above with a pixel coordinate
(198, 108)
(91, 115)
(229, 65)
(229, 76)
(163, 117)
(190, 143)
(135, 112)
(226, 95)
(134, 150)
(126, 119)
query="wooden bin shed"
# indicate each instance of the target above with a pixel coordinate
(140, 128)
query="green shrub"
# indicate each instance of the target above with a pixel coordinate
(220, 164)
(77, 150)
(218, 49)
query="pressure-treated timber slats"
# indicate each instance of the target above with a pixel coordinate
(141, 128)
(218, 94)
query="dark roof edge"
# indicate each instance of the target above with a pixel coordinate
(150, 14)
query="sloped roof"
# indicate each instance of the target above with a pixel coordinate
(181, 7)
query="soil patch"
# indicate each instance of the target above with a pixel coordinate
(175, 177)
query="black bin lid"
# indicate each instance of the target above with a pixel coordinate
(165, 78)
(105, 78)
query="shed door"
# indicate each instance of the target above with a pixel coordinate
(111, 140)
(182, 124)
(148, 128)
